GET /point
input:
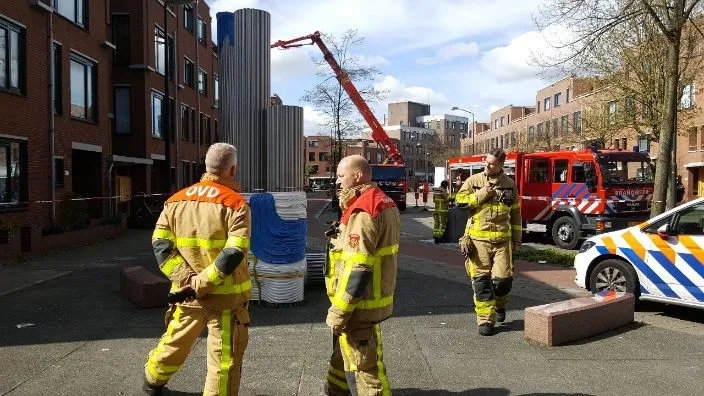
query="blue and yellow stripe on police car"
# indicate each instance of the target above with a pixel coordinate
(674, 270)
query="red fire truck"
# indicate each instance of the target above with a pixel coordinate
(574, 194)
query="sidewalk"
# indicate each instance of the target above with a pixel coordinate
(78, 336)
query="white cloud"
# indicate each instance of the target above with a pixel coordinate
(395, 25)
(519, 59)
(372, 60)
(450, 52)
(292, 63)
(312, 119)
(397, 91)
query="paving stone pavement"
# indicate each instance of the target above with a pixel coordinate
(74, 334)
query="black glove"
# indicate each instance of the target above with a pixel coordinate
(181, 295)
(333, 230)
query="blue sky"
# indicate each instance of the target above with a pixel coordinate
(466, 53)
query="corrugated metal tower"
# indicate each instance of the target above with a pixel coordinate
(245, 64)
(284, 132)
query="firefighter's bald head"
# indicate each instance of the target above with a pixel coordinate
(353, 170)
(221, 160)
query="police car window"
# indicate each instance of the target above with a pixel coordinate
(559, 171)
(689, 221)
(653, 227)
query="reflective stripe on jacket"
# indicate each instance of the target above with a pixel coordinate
(492, 219)
(441, 201)
(361, 279)
(198, 225)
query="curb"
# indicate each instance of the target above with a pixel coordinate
(27, 286)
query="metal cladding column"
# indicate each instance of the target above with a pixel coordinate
(284, 132)
(244, 39)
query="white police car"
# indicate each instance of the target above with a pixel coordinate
(661, 259)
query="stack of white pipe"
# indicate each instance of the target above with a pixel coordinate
(277, 283)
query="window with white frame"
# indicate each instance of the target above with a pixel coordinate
(216, 90)
(157, 115)
(74, 10)
(83, 88)
(12, 57)
(202, 82)
(188, 17)
(687, 100)
(202, 34)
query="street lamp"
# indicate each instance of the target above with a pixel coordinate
(167, 107)
(473, 124)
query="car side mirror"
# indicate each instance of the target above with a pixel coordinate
(664, 231)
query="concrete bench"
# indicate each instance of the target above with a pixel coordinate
(565, 321)
(144, 288)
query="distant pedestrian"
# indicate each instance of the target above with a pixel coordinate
(441, 202)
(200, 242)
(492, 233)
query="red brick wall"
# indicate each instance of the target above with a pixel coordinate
(140, 144)
(28, 115)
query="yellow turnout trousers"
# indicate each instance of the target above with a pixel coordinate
(227, 340)
(490, 268)
(356, 365)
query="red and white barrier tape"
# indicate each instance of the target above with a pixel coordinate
(85, 199)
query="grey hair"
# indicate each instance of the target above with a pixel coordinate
(220, 157)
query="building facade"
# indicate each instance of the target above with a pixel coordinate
(422, 137)
(318, 158)
(139, 87)
(55, 117)
(83, 109)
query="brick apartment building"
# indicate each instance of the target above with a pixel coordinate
(139, 91)
(106, 116)
(317, 160)
(420, 134)
(318, 157)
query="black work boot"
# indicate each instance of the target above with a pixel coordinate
(500, 315)
(154, 390)
(486, 329)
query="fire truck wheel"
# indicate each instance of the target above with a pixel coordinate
(401, 206)
(614, 274)
(564, 232)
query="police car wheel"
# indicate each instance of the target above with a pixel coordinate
(614, 275)
(564, 233)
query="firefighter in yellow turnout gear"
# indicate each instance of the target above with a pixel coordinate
(493, 231)
(441, 201)
(200, 242)
(360, 282)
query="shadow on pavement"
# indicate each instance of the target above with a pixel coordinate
(86, 305)
(671, 311)
(473, 392)
(609, 334)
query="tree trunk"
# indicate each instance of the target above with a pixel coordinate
(669, 129)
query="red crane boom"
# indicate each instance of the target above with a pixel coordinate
(393, 156)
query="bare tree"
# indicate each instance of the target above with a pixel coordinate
(439, 150)
(329, 97)
(610, 35)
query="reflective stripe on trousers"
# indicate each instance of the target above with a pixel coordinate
(362, 355)
(227, 340)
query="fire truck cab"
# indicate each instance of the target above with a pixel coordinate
(571, 195)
